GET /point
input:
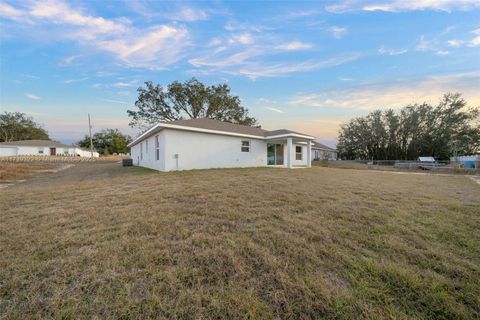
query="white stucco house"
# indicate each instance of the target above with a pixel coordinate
(323, 152)
(206, 143)
(41, 148)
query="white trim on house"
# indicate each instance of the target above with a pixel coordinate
(234, 134)
(287, 135)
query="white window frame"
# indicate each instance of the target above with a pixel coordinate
(297, 154)
(157, 148)
(245, 148)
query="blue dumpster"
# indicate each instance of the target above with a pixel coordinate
(470, 164)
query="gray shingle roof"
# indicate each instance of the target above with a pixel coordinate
(210, 124)
(35, 143)
(215, 125)
(318, 145)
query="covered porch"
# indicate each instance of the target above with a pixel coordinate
(289, 150)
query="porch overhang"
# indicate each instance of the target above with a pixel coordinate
(289, 139)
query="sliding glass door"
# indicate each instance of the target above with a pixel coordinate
(274, 154)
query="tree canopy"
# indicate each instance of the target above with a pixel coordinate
(449, 128)
(16, 126)
(107, 141)
(189, 100)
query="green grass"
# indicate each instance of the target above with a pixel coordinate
(102, 241)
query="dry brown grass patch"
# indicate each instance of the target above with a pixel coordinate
(102, 241)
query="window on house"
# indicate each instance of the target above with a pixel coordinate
(65, 151)
(245, 145)
(298, 153)
(157, 148)
(141, 151)
(146, 146)
(40, 150)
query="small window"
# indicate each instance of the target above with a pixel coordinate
(245, 145)
(40, 150)
(298, 153)
(157, 148)
(141, 151)
(65, 151)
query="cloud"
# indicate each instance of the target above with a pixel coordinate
(243, 38)
(338, 32)
(294, 45)
(274, 109)
(161, 46)
(258, 70)
(59, 12)
(391, 52)
(9, 12)
(69, 60)
(476, 40)
(182, 13)
(426, 45)
(396, 94)
(114, 101)
(455, 43)
(155, 47)
(133, 83)
(402, 5)
(32, 96)
(189, 14)
(30, 76)
(74, 80)
(442, 52)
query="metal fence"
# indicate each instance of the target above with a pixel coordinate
(450, 167)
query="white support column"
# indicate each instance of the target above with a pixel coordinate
(309, 154)
(289, 152)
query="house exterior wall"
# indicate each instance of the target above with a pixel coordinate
(203, 151)
(320, 154)
(147, 157)
(8, 151)
(197, 150)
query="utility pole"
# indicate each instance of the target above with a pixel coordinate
(90, 132)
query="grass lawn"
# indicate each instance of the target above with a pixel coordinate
(18, 171)
(101, 241)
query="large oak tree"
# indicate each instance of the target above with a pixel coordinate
(189, 100)
(16, 126)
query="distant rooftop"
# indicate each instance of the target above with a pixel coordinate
(319, 145)
(35, 143)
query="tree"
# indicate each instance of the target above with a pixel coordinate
(449, 128)
(189, 100)
(16, 126)
(107, 141)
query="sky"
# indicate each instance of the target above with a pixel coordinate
(306, 66)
